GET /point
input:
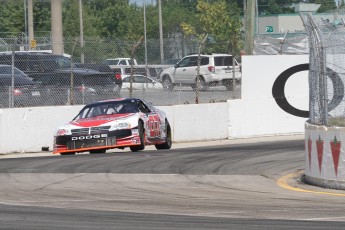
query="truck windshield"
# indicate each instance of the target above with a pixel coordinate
(56, 62)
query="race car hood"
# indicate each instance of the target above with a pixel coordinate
(101, 120)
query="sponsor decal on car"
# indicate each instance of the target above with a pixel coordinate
(88, 137)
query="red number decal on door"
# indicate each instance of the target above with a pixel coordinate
(154, 126)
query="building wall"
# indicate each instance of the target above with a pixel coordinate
(290, 23)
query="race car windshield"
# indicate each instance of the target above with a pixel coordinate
(109, 108)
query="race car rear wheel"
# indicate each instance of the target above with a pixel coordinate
(168, 139)
(142, 139)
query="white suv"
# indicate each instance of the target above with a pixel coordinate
(215, 70)
(120, 61)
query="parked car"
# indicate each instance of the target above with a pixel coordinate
(104, 69)
(25, 92)
(152, 71)
(60, 89)
(215, 70)
(37, 65)
(121, 61)
(119, 123)
(6, 70)
(140, 82)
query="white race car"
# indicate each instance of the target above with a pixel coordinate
(117, 123)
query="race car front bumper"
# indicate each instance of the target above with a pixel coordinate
(109, 140)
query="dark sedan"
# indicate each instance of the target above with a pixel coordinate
(63, 89)
(6, 70)
(19, 91)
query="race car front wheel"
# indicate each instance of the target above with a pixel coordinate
(96, 151)
(70, 153)
(142, 139)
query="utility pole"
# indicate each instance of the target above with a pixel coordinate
(161, 31)
(81, 31)
(249, 25)
(26, 24)
(30, 22)
(145, 38)
(56, 27)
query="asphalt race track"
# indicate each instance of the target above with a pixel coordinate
(231, 186)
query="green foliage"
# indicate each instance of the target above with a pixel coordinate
(336, 121)
(12, 16)
(110, 19)
(271, 7)
(326, 6)
(41, 14)
(221, 21)
(71, 20)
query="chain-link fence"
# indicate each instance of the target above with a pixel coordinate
(288, 43)
(326, 70)
(39, 78)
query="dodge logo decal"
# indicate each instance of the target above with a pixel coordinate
(88, 137)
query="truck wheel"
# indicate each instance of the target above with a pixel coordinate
(167, 84)
(203, 86)
(228, 85)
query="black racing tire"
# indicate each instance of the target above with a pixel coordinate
(168, 141)
(167, 83)
(97, 151)
(65, 154)
(141, 130)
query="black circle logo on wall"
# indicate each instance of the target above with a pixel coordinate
(278, 90)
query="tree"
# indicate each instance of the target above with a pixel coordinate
(41, 15)
(222, 22)
(341, 6)
(71, 20)
(326, 6)
(12, 16)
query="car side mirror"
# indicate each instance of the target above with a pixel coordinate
(176, 65)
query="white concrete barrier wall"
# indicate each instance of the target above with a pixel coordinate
(30, 129)
(259, 73)
(198, 122)
(262, 117)
(256, 114)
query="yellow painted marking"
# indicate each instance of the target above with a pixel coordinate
(282, 182)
